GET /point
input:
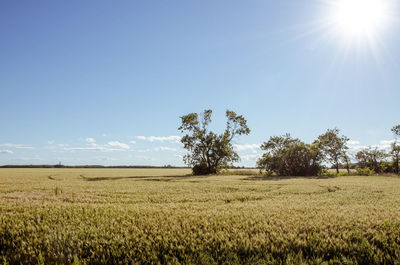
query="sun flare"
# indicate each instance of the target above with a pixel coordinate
(358, 18)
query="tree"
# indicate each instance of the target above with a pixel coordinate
(210, 152)
(347, 161)
(287, 156)
(372, 158)
(334, 147)
(396, 148)
(395, 152)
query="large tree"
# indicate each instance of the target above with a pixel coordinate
(395, 152)
(210, 152)
(334, 147)
(287, 156)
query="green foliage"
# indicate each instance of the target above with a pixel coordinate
(334, 147)
(395, 150)
(373, 159)
(395, 153)
(210, 152)
(364, 171)
(200, 169)
(396, 130)
(286, 156)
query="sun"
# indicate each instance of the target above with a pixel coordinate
(359, 18)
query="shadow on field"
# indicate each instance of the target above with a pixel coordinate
(286, 177)
(146, 178)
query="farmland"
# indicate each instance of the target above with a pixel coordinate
(151, 216)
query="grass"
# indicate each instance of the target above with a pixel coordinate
(164, 216)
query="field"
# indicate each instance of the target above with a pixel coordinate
(152, 216)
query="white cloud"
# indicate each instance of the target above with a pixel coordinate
(118, 144)
(6, 152)
(172, 138)
(106, 158)
(157, 149)
(386, 142)
(353, 142)
(36, 158)
(101, 149)
(144, 150)
(146, 158)
(50, 142)
(251, 157)
(133, 142)
(243, 147)
(355, 146)
(93, 148)
(165, 148)
(17, 146)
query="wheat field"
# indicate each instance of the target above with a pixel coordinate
(167, 216)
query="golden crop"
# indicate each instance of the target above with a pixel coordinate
(165, 216)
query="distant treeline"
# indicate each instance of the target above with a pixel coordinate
(100, 166)
(83, 166)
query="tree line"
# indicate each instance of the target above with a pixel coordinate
(209, 152)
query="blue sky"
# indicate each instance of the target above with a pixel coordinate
(105, 82)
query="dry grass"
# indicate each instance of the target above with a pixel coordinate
(150, 216)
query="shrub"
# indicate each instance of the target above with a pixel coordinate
(365, 171)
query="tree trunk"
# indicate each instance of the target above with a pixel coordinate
(337, 167)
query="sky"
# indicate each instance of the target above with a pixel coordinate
(105, 82)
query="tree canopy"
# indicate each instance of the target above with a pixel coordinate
(287, 156)
(396, 130)
(395, 151)
(334, 147)
(210, 152)
(371, 158)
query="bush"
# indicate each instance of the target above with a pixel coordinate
(365, 171)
